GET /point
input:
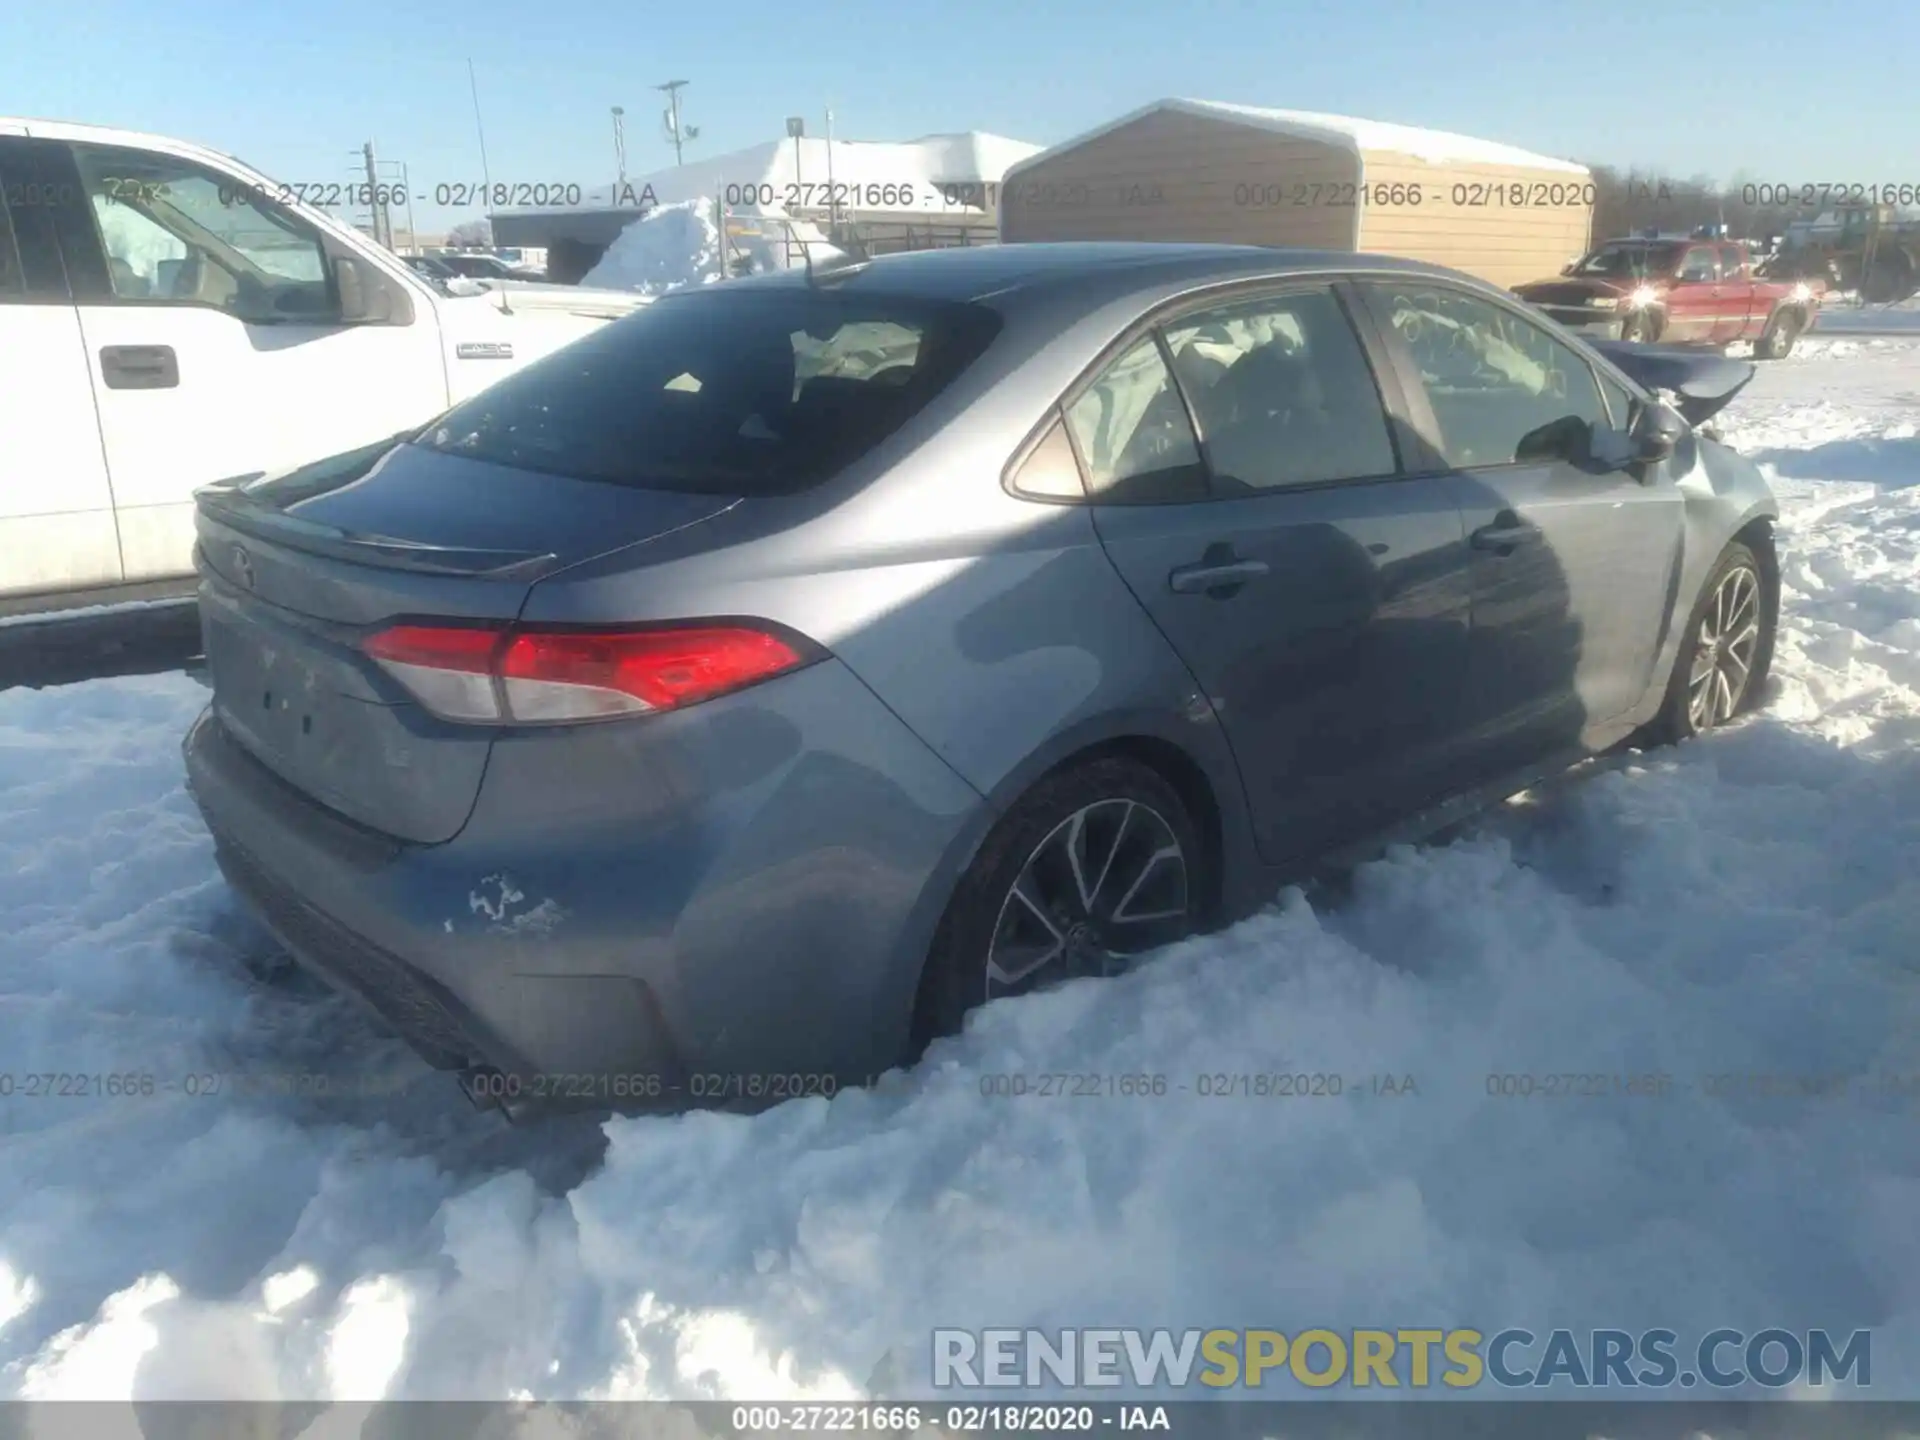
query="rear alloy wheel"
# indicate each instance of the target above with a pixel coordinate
(1725, 654)
(1096, 865)
(1776, 341)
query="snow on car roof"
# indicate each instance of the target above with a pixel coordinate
(1434, 146)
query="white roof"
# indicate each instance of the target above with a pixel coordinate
(1434, 146)
(902, 177)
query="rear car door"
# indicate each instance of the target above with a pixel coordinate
(56, 510)
(1572, 562)
(212, 322)
(1320, 596)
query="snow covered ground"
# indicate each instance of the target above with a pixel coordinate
(1749, 903)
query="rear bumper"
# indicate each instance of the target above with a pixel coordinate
(728, 905)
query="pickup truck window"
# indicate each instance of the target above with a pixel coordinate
(1699, 264)
(174, 233)
(1630, 260)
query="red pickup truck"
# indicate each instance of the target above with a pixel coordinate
(1689, 292)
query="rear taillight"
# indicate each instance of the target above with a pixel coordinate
(532, 676)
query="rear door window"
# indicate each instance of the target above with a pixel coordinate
(1282, 392)
(755, 391)
(1131, 430)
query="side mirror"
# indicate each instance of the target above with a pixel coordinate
(1657, 433)
(367, 295)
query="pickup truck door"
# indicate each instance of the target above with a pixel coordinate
(56, 509)
(212, 323)
(1736, 320)
(1694, 297)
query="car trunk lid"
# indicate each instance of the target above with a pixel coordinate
(297, 570)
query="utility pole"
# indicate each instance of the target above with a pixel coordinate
(406, 190)
(672, 117)
(619, 150)
(376, 201)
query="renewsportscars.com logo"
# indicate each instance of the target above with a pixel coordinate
(1413, 1359)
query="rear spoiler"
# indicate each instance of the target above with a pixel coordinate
(1702, 383)
(243, 503)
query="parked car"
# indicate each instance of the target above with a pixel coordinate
(168, 314)
(718, 709)
(431, 267)
(484, 267)
(1679, 291)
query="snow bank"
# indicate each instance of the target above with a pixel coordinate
(679, 245)
(1744, 904)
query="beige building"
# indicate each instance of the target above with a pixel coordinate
(1199, 170)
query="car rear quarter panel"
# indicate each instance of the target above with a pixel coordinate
(995, 627)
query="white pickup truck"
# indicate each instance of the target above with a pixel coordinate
(170, 316)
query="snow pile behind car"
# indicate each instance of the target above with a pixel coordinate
(1745, 906)
(679, 245)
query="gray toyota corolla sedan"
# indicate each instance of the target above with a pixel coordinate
(718, 709)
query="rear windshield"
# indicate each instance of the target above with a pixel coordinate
(748, 392)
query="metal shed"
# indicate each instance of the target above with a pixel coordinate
(1200, 170)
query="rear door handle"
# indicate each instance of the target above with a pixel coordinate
(1217, 579)
(139, 367)
(1504, 537)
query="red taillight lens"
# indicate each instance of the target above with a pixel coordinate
(536, 676)
(549, 675)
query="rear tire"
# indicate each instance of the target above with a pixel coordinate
(1722, 665)
(1097, 863)
(1776, 341)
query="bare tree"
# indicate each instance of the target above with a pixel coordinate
(471, 233)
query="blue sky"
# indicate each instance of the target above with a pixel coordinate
(1779, 90)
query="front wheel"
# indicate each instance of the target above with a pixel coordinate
(1097, 864)
(1725, 653)
(1642, 327)
(1776, 341)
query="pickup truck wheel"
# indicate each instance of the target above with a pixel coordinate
(1776, 341)
(1642, 327)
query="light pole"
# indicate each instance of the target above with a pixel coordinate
(619, 148)
(833, 202)
(672, 117)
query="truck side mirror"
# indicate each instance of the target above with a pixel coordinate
(367, 295)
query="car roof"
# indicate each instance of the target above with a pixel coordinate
(1093, 269)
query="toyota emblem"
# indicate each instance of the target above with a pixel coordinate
(243, 566)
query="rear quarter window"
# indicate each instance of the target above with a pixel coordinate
(754, 392)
